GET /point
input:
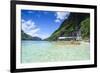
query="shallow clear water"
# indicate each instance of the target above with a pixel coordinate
(45, 51)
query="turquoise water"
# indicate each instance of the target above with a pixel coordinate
(45, 51)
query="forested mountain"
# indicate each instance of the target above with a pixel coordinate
(75, 22)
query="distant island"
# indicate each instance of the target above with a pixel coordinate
(25, 36)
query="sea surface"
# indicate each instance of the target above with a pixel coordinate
(46, 51)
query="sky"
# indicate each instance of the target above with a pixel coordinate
(41, 23)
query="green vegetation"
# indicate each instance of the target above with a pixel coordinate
(75, 22)
(24, 36)
(85, 28)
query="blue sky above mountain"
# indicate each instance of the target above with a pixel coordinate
(41, 23)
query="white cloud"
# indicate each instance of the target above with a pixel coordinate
(23, 20)
(57, 20)
(30, 12)
(29, 27)
(61, 16)
(45, 12)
